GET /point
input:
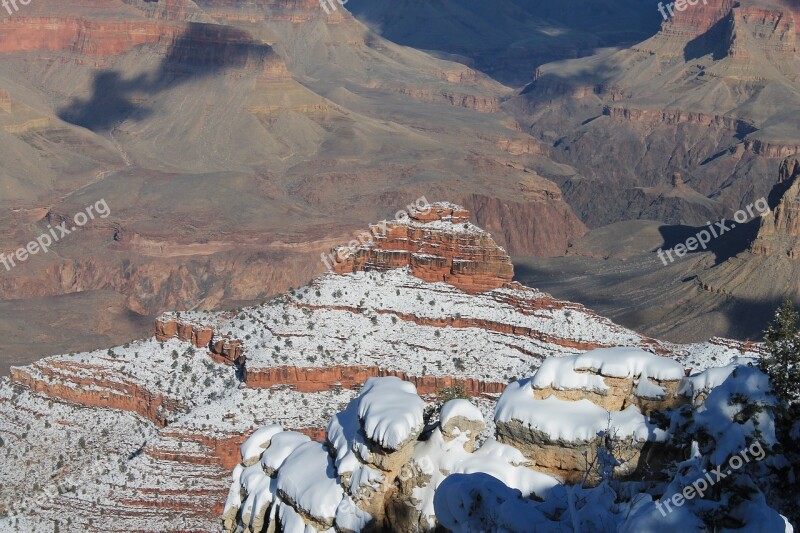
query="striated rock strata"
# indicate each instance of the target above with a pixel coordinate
(438, 244)
(779, 232)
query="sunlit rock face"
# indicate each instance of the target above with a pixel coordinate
(437, 243)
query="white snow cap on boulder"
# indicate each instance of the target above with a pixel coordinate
(561, 372)
(257, 442)
(308, 478)
(570, 421)
(460, 408)
(390, 411)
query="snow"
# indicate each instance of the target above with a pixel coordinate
(647, 389)
(251, 448)
(256, 484)
(234, 500)
(350, 517)
(715, 352)
(734, 399)
(480, 502)
(570, 372)
(281, 447)
(291, 522)
(571, 421)
(251, 477)
(349, 444)
(507, 464)
(460, 408)
(390, 410)
(559, 373)
(308, 479)
(626, 362)
(712, 377)
(378, 319)
(439, 458)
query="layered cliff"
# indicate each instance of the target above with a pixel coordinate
(779, 232)
(274, 107)
(437, 244)
(712, 95)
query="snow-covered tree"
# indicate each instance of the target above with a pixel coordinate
(782, 364)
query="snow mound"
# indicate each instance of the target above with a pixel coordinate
(712, 377)
(252, 448)
(350, 449)
(308, 479)
(437, 458)
(391, 411)
(569, 372)
(571, 421)
(460, 408)
(281, 447)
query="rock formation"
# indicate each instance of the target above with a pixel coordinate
(588, 104)
(779, 231)
(607, 392)
(374, 469)
(382, 468)
(437, 244)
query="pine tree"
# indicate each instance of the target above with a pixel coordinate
(782, 364)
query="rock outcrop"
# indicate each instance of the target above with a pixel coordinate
(375, 470)
(381, 468)
(437, 244)
(556, 418)
(779, 232)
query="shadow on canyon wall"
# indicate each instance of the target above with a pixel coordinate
(509, 39)
(202, 51)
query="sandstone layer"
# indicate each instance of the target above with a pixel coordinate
(437, 244)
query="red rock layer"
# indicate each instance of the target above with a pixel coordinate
(469, 260)
(321, 379)
(221, 348)
(96, 391)
(186, 45)
(222, 450)
(94, 38)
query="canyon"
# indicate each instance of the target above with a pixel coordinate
(283, 111)
(513, 354)
(175, 111)
(169, 413)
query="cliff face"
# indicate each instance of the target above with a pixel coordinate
(700, 53)
(138, 94)
(779, 232)
(91, 38)
(438, 244)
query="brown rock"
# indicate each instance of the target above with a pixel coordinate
(466, 257)
(779, 232)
